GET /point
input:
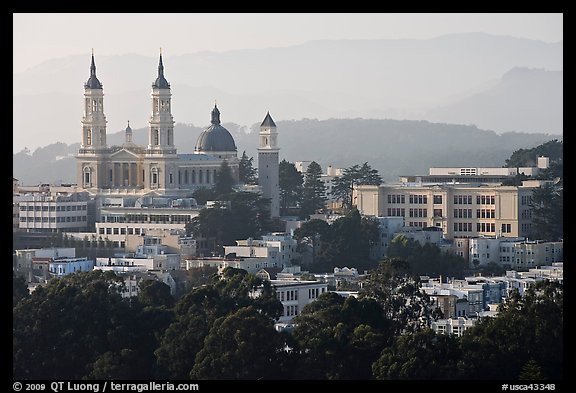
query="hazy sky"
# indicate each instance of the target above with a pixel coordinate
(39, 37)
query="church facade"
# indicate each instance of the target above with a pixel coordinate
(156, 168)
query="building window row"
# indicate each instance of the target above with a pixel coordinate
(396, 198)
(526, 200)
(526, 228)
(462, 213)
(287, 295)
(462, 199)
(53, 219)
(418, 199)
(290, 311)
(396, 212)
(313, 293)
(506, 228)
(485, 227)
(58, 208)
(485, 213)
(462, 227)
(418, 212)
(526, 214)
(418, 224)
(485, 200)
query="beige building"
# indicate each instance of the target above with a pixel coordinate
(461, 210)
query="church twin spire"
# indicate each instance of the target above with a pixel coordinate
(93, 82)
(161, 82)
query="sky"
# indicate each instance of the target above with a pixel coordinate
(40, 37)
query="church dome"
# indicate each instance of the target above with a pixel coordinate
(215, 138)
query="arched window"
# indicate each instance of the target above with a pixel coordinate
(200, 177)
(170, 137)
(179, 177)
(154, 179)
(156, 137)
(87, 177)
(186, 176)
(215, 172)
(88, 137)
(193, 176)
(102, 137)
(208, 176)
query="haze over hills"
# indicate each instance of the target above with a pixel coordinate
(403, 79)
(393, 147)
(529, 100)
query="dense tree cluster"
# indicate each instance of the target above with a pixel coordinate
(552, 149)
(427, 259)
(238, 215)
(346, 242)
(80, 327)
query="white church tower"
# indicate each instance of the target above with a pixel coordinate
(93, 149)
(268, 164)
(159, 169)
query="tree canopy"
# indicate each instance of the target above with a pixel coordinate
(246, 172)
(290, 183)
(314, 191)
(355, 175)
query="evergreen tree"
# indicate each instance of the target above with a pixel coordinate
(290, 183)
(224, 180)
(548, 213)
(246, 172)
(355, 175)
(314, 191)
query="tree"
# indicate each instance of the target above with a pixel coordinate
(246, 173)
(19, 288)
(203, 194)
(314, 191)
(346, 242)
(526, 336)
(242, 345)
(420, 355)
(197, 311)
(290, 183)
(356, 175)
(391, 285)
(247, 216)
(553, 149)
(426, 259)
(548, 213)
(155, 293)
(224, 181)
(61, 329)
(337, 338)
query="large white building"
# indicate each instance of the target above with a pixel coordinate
(517, 253)
(277, 250)
(54, 213)
(294, 295)
(60, 267)
(156, 168)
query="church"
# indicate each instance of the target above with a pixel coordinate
(157, 169)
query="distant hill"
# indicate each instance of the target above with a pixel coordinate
(394, 147)
(528, 100)
(402, 79)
